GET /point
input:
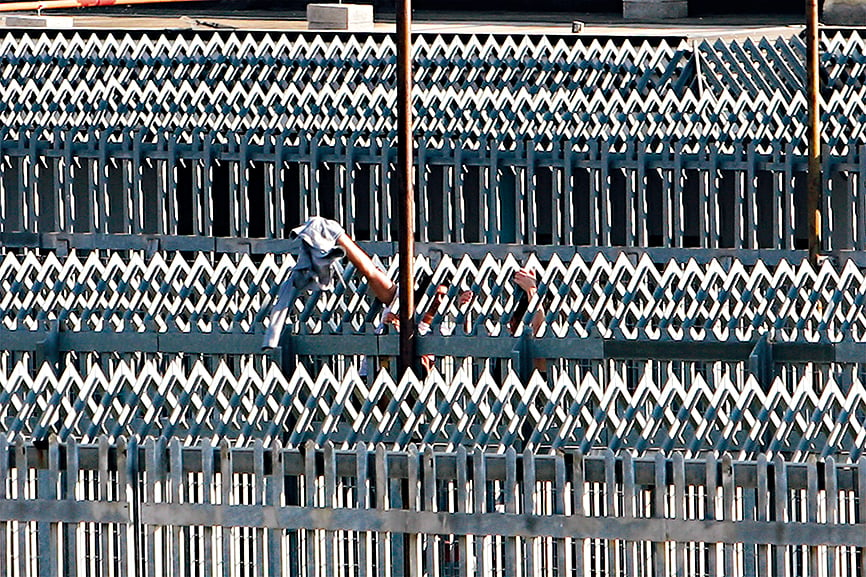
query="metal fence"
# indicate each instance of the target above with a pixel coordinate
(243, 192)
(132, 509)
(528, 140)
(206, 298)
(467, 86)
(643, 407)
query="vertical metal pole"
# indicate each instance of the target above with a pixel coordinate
(814, 179)
(404, 185)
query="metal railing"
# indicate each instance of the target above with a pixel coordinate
(169, 295)
(243, 192)
(644, 407)
(152, 509)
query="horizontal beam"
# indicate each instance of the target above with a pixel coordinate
(504, 524)
(575, 348)
(63, 242)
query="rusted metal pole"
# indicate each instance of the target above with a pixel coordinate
(814, 181)
(404, 185)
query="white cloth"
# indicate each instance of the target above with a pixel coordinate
(313, 269)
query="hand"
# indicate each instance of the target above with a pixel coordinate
(465, 297)
(525, 279)
(392, 319)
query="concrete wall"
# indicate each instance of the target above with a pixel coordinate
(845, 12)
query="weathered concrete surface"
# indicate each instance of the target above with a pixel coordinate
(654, 9)
(845, 12)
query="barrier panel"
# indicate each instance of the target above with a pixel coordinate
(150, 509)
(206, 298)
(243, 192)
(529, 140)
(687, 407)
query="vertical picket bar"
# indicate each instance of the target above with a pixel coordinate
(313, 167)
(275, 500)
(269, 191)
(578, 486)
(710, 198)
(763, 497)
(362, 484)
(679, 474)
(386, 194)
(532, 563)
(566, 206)
(748, 511)
(330, 479)
(628, 512)
(432, 563)
(278, 197)
(812, 509)
(174, 496)
(413, 504)
(465, 541)
(374, 191)
(831, 503)
(556, 214)
(780, 506)
(602, 192)
(860, 232)
(197, 198)
(259, 501)
(510, 499)
(207, 473)
(171, 183)
(711, 471)
(790, 224)
(611, 546)
(45, 554)
(381, 472)
(861, 494)
(243, 222)
(70, 530)
(825, 204)
(21, 469)
(750, 208)
(422, 227)
(225, 500)
(124, 567)
(778, 204)
(47, 532)
(454, 221)
(207, 204)
(728, 491)
(66, 188)
(741, 203)
(479, 505)
(310, 536)
(635, 190)
(659, 511)
(675, 224)
(559, 509)
(527, 208)
(4, 476)
(494, 198)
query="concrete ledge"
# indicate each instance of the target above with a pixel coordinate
(654, 9)
(17, 21)
(339, 16)
(845, 12)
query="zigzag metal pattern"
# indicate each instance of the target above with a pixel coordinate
(797, 419)
(467, 87)
(718, 301)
